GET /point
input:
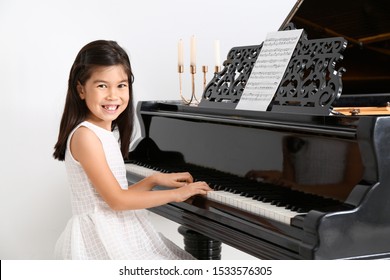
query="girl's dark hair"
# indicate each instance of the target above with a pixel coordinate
(92, 55)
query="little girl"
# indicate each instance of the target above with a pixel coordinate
(109, 217)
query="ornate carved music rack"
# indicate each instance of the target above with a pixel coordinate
(311, 82)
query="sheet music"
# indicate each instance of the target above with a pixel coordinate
(268, 70)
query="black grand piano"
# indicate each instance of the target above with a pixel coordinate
(310, 177)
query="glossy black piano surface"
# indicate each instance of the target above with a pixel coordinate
(346, 215)
(330, 171)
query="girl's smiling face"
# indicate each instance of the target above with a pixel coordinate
(106, 94)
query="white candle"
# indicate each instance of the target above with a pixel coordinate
(180, 53)
(217, 53)
(193, 51)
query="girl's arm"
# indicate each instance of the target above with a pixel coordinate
(175, 180)
(87, 149)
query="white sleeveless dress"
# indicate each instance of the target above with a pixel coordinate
(96, 231)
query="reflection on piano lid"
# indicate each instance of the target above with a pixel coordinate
(365, 24)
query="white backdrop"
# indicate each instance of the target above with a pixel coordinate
(38, 42)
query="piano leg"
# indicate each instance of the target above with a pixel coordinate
(200, 246)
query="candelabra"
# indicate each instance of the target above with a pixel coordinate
(193, 100)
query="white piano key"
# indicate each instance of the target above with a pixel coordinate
(274, 212)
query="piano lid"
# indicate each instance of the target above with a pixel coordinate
(366, 26)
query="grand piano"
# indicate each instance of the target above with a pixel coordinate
(309, 177)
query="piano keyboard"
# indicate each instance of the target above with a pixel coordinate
(248, 204)
(263, 209)
(139, 170)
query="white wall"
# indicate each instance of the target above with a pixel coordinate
(38, 42)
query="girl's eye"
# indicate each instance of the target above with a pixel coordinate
(102, 86)
(122, 85)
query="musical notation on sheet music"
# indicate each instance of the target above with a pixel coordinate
(268, 70)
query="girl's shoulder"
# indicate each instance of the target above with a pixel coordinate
(83, 133)
(81, 128)
(87, 131)
(83, 140)
(88, 127)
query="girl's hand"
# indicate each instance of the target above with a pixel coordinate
(191, 189)
(174, 180)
